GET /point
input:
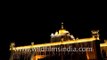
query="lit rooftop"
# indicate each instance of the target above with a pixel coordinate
(56, 43)
(104, 44)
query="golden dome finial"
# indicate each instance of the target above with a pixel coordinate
(62, 27)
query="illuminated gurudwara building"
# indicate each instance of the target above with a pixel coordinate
(63, 46)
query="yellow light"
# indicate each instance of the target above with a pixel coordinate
(103, 45)
(38, 57)
(56, 43)
(56, 33)
(61, 31)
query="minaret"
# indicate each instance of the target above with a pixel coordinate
(62, 27)
(95, 34)
(32, 43)
(12, 45)
(62, 30)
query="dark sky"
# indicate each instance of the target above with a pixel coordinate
(23, 29)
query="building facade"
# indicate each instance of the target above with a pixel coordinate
(63, 46)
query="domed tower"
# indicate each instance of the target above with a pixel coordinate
(61, 35)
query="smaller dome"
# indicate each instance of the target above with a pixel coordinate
(56, 33)
(72, 36)
(52, 35)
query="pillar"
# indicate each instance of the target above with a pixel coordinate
(12, 45)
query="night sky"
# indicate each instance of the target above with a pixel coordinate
(24, 29)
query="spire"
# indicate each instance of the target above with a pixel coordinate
(62, 27)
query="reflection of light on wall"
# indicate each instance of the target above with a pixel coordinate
(37, 57)
(87, 55)
(91, 55)
(104, 47)
(56, 43)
